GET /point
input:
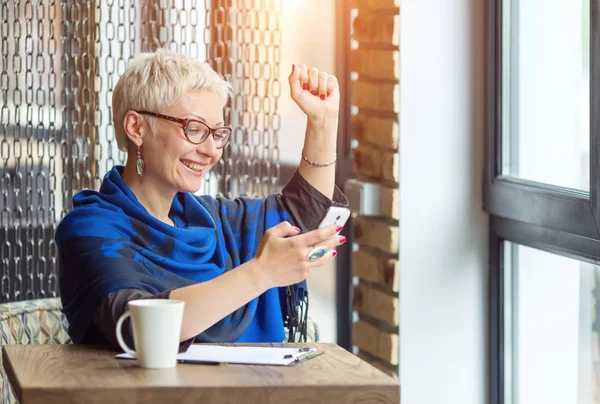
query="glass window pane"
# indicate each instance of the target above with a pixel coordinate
(546, 106)
(552, 345)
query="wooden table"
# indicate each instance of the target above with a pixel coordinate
(77, 374)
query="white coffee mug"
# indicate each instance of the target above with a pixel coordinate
(156, 325)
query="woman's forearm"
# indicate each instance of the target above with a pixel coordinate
(320, 144)
(208, 302)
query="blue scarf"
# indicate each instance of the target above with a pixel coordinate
(109, 242)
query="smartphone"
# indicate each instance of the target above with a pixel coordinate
(335, 215)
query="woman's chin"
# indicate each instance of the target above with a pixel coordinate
(191, 186)
(190, 182)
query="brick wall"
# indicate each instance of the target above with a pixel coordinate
(374, 194)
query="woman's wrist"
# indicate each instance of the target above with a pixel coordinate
(321, 139)
(322, 125)
(256, 276)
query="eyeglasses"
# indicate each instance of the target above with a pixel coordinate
(197, 132)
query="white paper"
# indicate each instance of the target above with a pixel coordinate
(240, 354)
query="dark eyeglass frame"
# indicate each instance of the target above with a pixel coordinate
(184, 122)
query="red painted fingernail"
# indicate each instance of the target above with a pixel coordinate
(305, 86)
(297, 229)
(333, 254)
(338, 228)
(293, 67)
(313, 92)
(322, 96)
(342, 240)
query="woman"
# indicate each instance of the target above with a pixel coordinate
(239, 265)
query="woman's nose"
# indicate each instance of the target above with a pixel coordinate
(208, 147)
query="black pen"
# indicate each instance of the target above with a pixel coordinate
(197, 362)
(306, 355)
(300, 350)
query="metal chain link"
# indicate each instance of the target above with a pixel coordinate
(255, 147)
(110, 77)
(17, 65)
(217, 49)
(59, 63)
(40, 185)
(50, 283)
(6, 219)
(29, 165)
(65, 97)
(96, 85)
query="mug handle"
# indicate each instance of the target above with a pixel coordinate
(122, 343)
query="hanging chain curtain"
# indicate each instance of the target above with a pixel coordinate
(59, 64)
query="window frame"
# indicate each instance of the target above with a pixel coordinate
(550, 218)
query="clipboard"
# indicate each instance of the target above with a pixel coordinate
(246, 355)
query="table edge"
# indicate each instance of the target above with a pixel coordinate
(11, 376)
(392, 392)
(387, 381)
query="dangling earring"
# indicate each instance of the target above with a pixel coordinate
(139, 163)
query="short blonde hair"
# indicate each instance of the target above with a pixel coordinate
(156, 80)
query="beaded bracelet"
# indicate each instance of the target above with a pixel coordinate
(317, 164)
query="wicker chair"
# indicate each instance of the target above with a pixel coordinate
(30, 322)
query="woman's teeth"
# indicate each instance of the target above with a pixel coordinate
(193, 166)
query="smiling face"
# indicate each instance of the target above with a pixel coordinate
(170, 159)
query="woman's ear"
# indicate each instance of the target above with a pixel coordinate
(135, 127)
